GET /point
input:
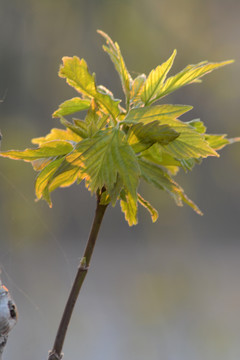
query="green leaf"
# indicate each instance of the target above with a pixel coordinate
(135, 93)
(190, 74)
(116, 190)
(114, 194)
(198, 126)
(156, 79)
(159, 156)
(189, 144)
(162, 113)
(58, 134)
(95, 120)
(71, 106)
(50, 178)
(217, 142)
(128, 205)
(48, 149)
(80, 128)
(41, 184)
(103, 157)
(143, 136)
(39, 164)
(153, 212)
(155, 175)
(65, 178)
(115, 55)
(188, 164)
(77, 75)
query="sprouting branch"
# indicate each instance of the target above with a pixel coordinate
(56, 352)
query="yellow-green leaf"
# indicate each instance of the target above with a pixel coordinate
(71, 106)
(103, 157)
(198, 126)
(142, 136)
(95, 120)
(189, 144)
(159, 156)
(42, 181)
(115, 55)
(80, 128)
(57, 134)
(156, 176)
(136, 90)
(153, 212)
(48, 149)
(77, 75)
(217, 142)
(128, 205)
(50, 178)
(190, 74)
(162, 113)
(155, 80)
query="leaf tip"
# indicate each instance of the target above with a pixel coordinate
(55, 114)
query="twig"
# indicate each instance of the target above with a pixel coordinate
(56, 352)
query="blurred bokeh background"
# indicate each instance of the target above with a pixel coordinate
(168, 290)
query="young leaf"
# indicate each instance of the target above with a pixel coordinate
(190, 74)
(155, 175)
(129, 207)
(143, 136)
(162, 113)
(71, 106)
(57, 134)
(198, 126)
(188, 164)
(136, 90)
(116, 190)
(95, 119)
(42, 181)
(48, 149)
(159, 156)
(217, 142)
(50, 178)
(155, 80)
(77, 75)
(65, 178)
(153, 212)
(80, 128)
(104, 156)
(114, 52)
(39, 164)
(189, 144)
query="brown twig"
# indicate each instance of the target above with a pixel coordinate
(56, 352)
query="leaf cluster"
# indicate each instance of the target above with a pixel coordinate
(113, 147)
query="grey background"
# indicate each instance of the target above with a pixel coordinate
(167, 290)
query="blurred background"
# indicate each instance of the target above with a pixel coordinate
(168, 290)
